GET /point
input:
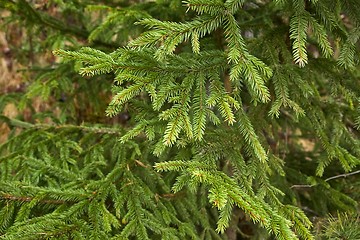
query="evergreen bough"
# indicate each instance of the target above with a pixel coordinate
(244, 114)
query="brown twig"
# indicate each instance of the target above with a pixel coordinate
(29, 199)
(326, 180)
(342, 175)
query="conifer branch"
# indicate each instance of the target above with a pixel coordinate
(26, 11)
(26, 125)
(200, 88)
(9, 197)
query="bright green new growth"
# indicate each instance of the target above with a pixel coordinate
(222, 97)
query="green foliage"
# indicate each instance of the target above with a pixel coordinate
(342, 226)
(236, 106)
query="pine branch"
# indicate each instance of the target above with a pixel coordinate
(298, 29)
(22, 199)
(26, 125)
(28, 13)
(192, 84)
